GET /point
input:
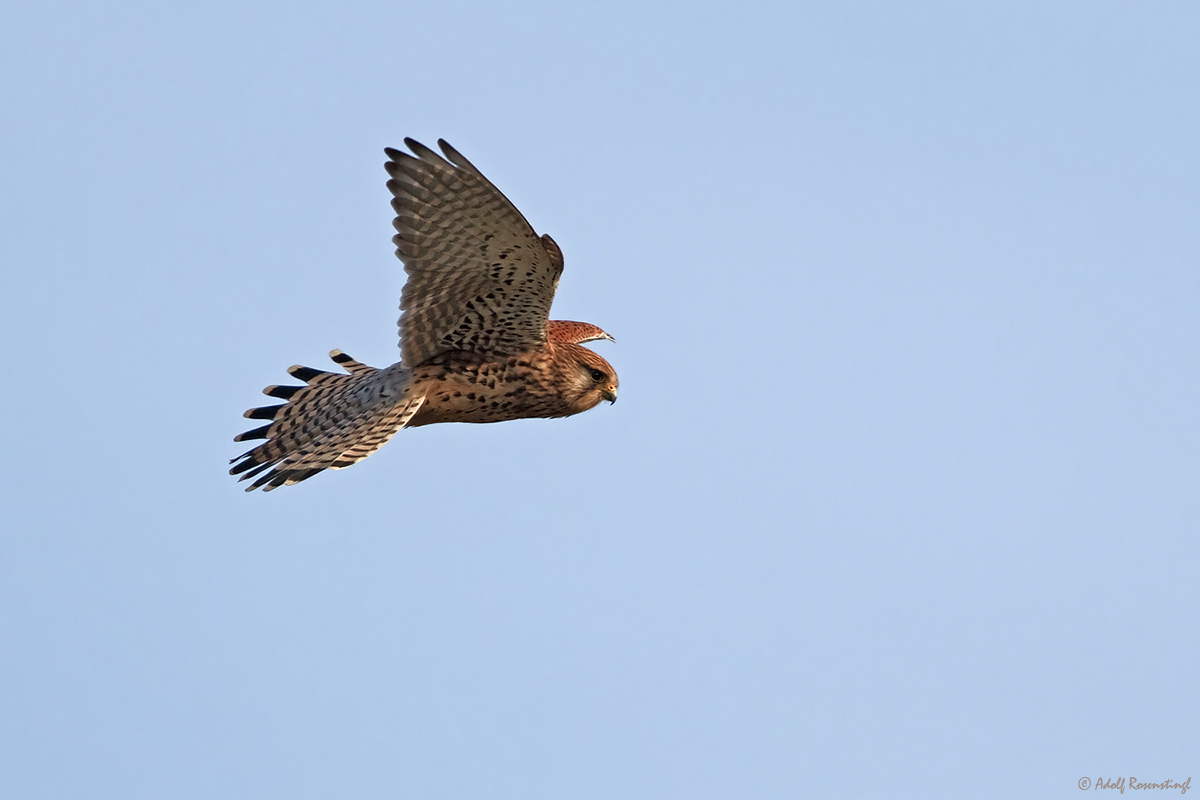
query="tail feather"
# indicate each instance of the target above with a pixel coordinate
(266, 412)
(308, 374)
(349, 364)
(257, 433)
(281, 392)
(333, 421)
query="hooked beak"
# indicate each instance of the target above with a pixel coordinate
(610, 394)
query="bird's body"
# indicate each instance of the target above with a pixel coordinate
(476, 343)
(462, 387)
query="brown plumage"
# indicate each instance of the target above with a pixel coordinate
(476, 343)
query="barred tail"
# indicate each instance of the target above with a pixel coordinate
(333, 421)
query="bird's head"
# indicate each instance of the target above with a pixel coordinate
(588, 377)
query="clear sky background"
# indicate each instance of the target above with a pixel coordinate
(900, 498)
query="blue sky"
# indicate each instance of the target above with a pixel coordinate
(900, 498)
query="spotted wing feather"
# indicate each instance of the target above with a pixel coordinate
(479, 278)
(333, 421)
(561, 331)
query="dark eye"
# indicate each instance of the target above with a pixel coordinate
(597, 375)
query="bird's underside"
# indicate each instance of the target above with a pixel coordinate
(476, 344)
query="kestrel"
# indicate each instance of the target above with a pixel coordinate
(476, 343)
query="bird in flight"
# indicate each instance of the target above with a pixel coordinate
(476, 341)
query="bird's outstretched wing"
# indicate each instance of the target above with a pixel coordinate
(479, 278)
(333, 421)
